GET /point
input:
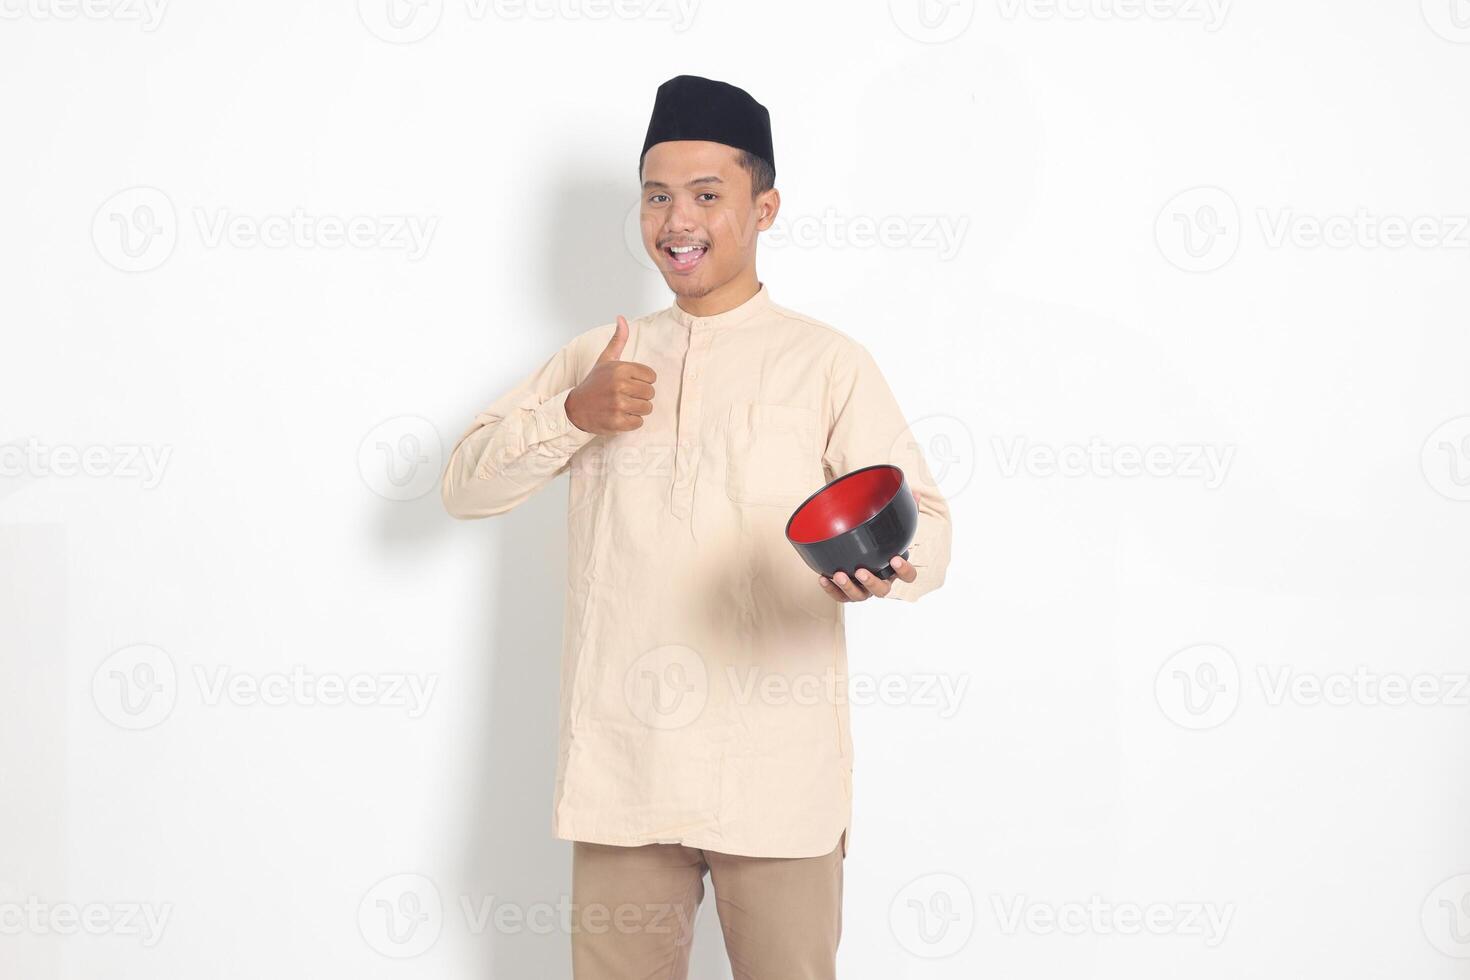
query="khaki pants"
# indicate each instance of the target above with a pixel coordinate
(633, 912)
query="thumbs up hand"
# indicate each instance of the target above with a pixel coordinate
(616, 394)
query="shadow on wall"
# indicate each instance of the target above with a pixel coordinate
(589, 277)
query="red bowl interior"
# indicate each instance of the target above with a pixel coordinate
(845, 504)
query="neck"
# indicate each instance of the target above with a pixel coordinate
(723, 298)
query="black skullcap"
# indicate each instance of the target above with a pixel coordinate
(689, 107)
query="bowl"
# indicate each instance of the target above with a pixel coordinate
(859, 520)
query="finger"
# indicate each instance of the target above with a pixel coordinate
(872, 583)
(831, 589)
(614, 348)
(627, 422)
(905, 571)
(634, 406)
(638, 389)
(853, 591)
(638, 372)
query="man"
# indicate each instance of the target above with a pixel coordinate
(703, 718)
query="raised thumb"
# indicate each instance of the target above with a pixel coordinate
(614, 348)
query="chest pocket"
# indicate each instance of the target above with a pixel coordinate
(773, 454)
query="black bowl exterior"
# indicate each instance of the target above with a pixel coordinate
(871, 544)
(887, 572)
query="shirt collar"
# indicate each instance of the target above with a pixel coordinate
(735, 315)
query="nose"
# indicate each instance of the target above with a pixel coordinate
(679, 218)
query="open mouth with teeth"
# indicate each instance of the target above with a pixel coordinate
(685, 257)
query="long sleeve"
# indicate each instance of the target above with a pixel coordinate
(517, 445)
(868, 428)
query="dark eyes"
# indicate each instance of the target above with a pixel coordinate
(663, 198)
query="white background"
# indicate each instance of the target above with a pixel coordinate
(1140, 730)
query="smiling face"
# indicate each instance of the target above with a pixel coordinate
(699, 217)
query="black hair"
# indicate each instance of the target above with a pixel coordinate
(762, 174)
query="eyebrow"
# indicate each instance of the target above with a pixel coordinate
(647, 184)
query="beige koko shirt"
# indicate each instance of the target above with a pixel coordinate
(703, 670)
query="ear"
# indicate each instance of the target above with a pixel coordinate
(767, 206)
